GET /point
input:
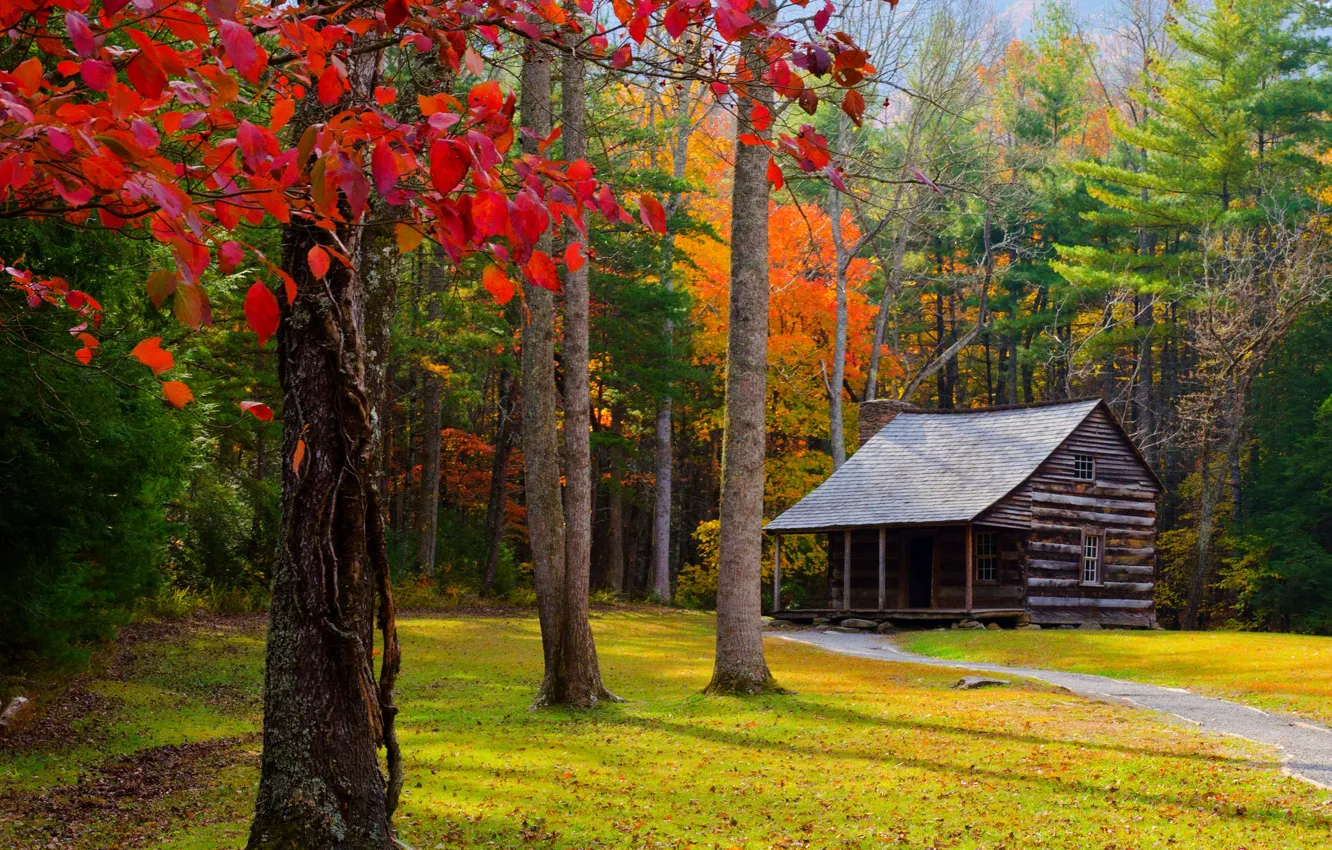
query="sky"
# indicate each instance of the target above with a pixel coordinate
(1019, 12)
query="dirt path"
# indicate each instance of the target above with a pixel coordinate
(1307, 747)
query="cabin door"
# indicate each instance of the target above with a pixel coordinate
(920, 572)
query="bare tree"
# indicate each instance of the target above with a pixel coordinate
(1252, 287)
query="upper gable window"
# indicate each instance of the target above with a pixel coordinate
(1084, 467)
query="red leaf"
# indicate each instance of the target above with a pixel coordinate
(497, 283)
(853, 104)
(150, 353)
(676, 19)
(177, 393)
(84, 355)
(281, 113)
(261, 311)
(318, 259)
(448, 164)
(760, 118)
(97, 73)
(775, 174)
(573, 256)
(395, 12)
(330, 86)
(240, 46)
(80, 34)
(383, 168)
(638, 28)
(490, 214)
(230, 256)
(541, 272)
(622, 57)
(146, 75)
(258, 410)
(488, 96)
(651, 213)
(190, 304)
(161, 284)
(821, 17)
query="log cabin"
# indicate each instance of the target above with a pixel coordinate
(1043, 513)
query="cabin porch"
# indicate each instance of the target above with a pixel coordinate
(920, 573)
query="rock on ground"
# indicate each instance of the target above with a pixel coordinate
(16, 715)
(971, 683)
(855, 623)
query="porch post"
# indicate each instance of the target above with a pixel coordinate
(883, 568)
(971, 567)
(846, 569)
(776, 573)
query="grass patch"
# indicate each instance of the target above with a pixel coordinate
(864, 754)
(1284, 673)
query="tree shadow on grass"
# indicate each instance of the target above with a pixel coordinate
(1186, 800)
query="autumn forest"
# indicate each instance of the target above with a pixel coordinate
(338, 314)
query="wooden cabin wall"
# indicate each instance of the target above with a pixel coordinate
(1010, 588)
(864, 568)
(1116, 465)
(1121, 503)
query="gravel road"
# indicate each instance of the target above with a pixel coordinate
(1307, 747)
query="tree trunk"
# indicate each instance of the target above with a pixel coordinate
(660, 572)
(740, 667)
(427, 511)
(325, 716)
(499, 480)
(663, 467)
(541, 448)
(575, 677)
(841, 259)
(615, 568)
(885, 304)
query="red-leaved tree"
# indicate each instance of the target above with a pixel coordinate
(191, 121)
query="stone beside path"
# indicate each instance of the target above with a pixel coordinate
(1306, 746)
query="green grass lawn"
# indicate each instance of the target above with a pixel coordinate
(864, 755)
(1283, 673)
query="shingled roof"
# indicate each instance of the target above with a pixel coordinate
(936, 467)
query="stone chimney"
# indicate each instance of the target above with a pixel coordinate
(878, 413)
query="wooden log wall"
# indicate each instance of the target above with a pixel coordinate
(1120, 504)
(865, 567)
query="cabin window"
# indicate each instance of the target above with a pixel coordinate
(1091, 557)
(1084, 467)
(987, 556)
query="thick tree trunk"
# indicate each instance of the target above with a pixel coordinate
(325, 716)
(740, 666)
(499, 481)
(575, 677)
(541, 449)
(427, 510)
